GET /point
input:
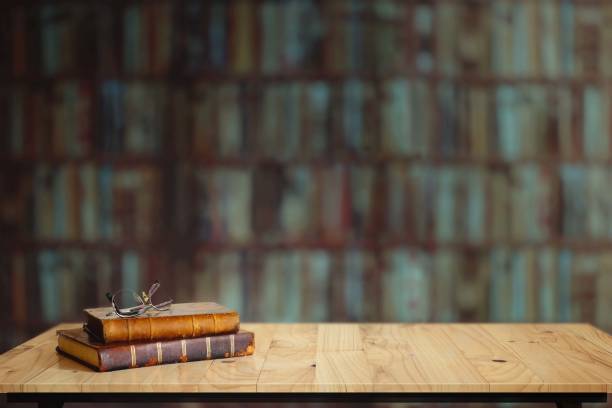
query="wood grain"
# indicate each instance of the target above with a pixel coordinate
(559, 360)
(184, 377)
(28, 360)
(240, 374)
(290, 363)
(341, 363)
(33, 342)
(345, 371)
(418, 358)
(65, 375)
(495, 362)
(350, 358)
(339, 337)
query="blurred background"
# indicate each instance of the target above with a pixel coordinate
(307, 160)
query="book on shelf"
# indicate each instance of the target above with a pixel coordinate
(183, 320)
(505, 38)
(406, 286)
(80, 346)
(72, 202)
(357, 280)
(341, 203)
(497, 284)
(396, 118)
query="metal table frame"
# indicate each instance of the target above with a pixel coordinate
(562, 400)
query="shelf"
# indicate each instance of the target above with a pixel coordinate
(115, 159)
(577, 245)
(254, 160)
(392, 159)
(314, 75)
(13, 3)
(104, 246)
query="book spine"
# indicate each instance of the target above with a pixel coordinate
(176, 351)
(167, 328)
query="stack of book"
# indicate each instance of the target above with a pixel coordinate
(186, 332)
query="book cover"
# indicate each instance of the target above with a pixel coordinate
(218, 34)
(424, 37)
(352, 282)
(272, 39)
(230, 133)
(316, 114)
(547, 267)
(43, 202)
(183, 320)
(316, 281)
(445, 274)
(78, 345)
(134, 49)
(18, 289)
(242, 36)
(49, 285)
(406, 286)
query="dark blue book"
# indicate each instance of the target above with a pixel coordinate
(105, 181)
(217, 32)
(194, 48)
(113, 117)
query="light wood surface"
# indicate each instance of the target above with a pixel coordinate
(350, 358)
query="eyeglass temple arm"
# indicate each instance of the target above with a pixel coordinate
(163, 304)
(154, 288)
(133, 308)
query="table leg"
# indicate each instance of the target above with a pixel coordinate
(57, 400)
(571, 404)
(50, 404)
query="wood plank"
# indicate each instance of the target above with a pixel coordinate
(184, 377)
(22, 367)
(36, 341)
(443, 365)
(563, 371)
(598, 337)
(501, 367)
(240, 374)
(390, 360)
(580, 344)
(29, 359)
(343, 371)
(341, 363)
(291, 360)
(339, 337)
(64, 376)
(418, 358)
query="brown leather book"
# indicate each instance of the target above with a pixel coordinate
(80, 346)
(182, 321)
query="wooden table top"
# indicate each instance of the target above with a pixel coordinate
(415, 358)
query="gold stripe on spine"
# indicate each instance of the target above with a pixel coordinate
(208, 349)
(133, 353)
(184, 348)
(232, 345)
(160, 355)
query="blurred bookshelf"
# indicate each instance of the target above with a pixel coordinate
(423, 160)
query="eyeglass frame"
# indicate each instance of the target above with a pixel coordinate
(145, 300)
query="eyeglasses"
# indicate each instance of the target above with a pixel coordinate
(144, 302)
